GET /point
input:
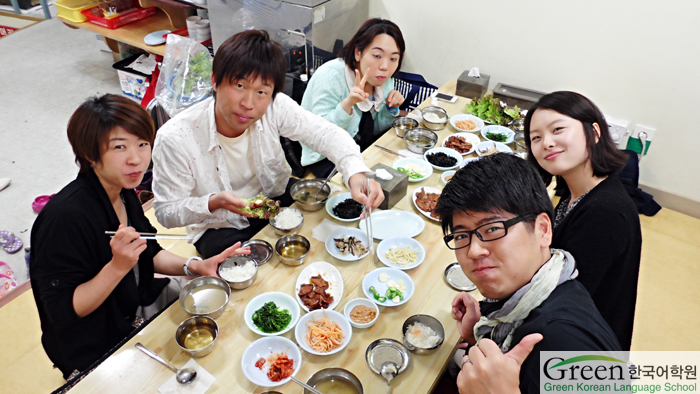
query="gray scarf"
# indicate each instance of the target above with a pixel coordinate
(502, 323)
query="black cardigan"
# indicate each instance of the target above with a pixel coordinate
(568, 321)
(603, 234)
(69, 247)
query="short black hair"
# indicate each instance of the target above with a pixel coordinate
(365, 35)
(606, 159)
(250, 54)
(501, 182)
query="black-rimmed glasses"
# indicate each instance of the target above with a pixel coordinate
(486, 232)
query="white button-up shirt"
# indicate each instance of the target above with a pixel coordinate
(189, 165)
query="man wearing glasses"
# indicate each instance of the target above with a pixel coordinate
(496, 216)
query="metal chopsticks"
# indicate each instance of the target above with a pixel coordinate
(368, 216)
(154, 236)
(389, 150)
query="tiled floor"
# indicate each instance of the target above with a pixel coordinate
(46, 71)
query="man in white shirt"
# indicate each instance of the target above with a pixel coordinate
(226, 148)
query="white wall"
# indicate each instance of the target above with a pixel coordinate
(638, 60)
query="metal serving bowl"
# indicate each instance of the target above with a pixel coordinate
(286, 231)
(402, 124)
(428, 321)
(197, 327)
(412, 135)
(315, 184)
(196, 285)
(440, 113)
(290, 240)
(234, 262)
(335, 374)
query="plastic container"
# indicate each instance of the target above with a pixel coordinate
(71, 9)
(119, 20)
(133, 83)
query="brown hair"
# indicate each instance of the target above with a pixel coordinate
(364, 36)
(250, 54)
(91, 124)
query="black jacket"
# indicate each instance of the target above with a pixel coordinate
(568, 321)
(603, 234)
(69, 247)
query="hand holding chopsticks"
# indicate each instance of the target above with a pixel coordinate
(368, 217)
(153, 236)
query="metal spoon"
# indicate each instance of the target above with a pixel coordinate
(389, 370)
(183, 376)
(328, 178)
(306, 386)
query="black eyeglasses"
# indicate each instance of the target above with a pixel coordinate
(486, 232)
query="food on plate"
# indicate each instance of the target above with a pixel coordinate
(261, 207)
(401, 256)
(427, 201)
(492, 110)
(335, 386)
(465, 124)
(281, 367)
(350, 245)
(315, 294)
(422, 336)
(310, 194)
(322, 334)
(489, 151)
(383, 277)
(270, 318)
(414, 171)
(394, 292)
(260, 363)
(434, 118)
(411, 174)
(500, 137)
(348, 209)
(362, 314)
(238, 273)
(287, 219)
(441, 159)
(458, 143)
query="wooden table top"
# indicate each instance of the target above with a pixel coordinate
(129, 370)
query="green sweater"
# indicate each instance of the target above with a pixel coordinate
(326, 90)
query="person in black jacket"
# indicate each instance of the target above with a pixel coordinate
(91, 291)
(496, 215)
(595, 220)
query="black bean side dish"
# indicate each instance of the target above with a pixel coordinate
(348, 209)
(441, 159)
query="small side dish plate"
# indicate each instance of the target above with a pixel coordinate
(455, 277)
(264, 348)
(394, 223)
(282, 300)
(327, 272)
(336, 317)
(260, 251)
(372, 279)
(427, 190)
(400, 242)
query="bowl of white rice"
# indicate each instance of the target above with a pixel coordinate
(423, 334)
(239, 271)
(287, 222)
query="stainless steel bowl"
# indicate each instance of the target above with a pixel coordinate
(196, 331)
(518, 124)
(307, 185)
(335, 374)
(286, 231)
(292, 241)
(204, 289)
(402, 124)
(412, 139)
(440, 113)
(428, 321)
(234, 262)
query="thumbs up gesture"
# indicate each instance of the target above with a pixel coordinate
(488, 370)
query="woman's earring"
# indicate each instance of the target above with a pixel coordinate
(92, 165)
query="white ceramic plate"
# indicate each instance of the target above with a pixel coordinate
(427, 190)
(344, 233)
(510, 134)
(445, 174)
(329, 273)
(458, 118)
(425, 165)
(300, 331)
(447, 151)
(282, 300)
(372, 279)
(488, 144)
(335, 200)
(264, 348)
(467, 161)
(400, 242)
(350, 305)
(394, 223)
(155, 38)
(469, 137)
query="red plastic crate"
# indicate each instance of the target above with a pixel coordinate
(121, 20)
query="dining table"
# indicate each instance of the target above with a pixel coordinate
(128, 370)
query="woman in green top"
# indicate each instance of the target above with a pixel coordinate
(356, 91)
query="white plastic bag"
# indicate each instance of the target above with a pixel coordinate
(185, 76)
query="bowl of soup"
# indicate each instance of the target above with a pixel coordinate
(307, 195)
